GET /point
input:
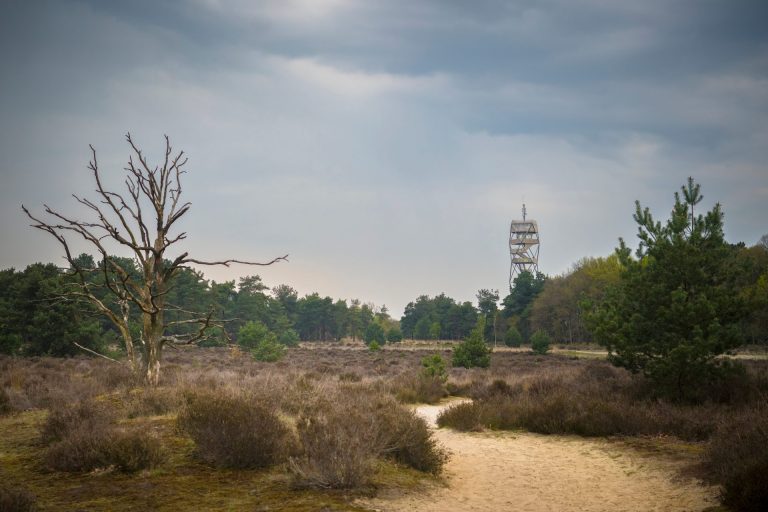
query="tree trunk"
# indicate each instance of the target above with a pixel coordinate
(153, 346)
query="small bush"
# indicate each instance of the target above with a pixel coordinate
(5, 402)
(737, 459)
(473, 351)
(289, 338)
(540, 342)
(434, 366)
(15, 499)
(234, 431)
(374, 346)
(252, 334)
(85, 450)
(374, 333)
(133, 450)
(394, 335)
(464, 417)
(411, 442)
(82, 416)
(343, 434)
(420, 388)
(153, 402)
(268, 350)
(513, 338)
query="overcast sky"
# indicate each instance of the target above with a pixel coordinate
(386, 145)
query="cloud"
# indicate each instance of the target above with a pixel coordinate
(387, 145)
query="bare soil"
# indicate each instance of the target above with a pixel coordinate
(496, 471)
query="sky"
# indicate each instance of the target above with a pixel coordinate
(386, 145)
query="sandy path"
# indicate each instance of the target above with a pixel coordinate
(494, 471)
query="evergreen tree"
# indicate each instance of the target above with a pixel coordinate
(673, 312)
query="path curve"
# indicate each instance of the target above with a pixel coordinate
(523, 472)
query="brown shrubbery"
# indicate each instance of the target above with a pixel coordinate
(83, 437)
(345, 431)
(595, 401)
(234, 430)
(737, 459)
(15, 499)
(420, 389)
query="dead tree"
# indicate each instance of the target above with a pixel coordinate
(140, 223)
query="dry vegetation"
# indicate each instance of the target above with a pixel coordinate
(323, 425)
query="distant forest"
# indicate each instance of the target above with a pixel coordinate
(38, 317)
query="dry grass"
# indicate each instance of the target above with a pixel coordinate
(313, 392)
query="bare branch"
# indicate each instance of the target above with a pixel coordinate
(226, 263)
(96, 353)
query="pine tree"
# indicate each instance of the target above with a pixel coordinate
(673, 311)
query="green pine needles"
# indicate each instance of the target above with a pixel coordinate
(673, 312)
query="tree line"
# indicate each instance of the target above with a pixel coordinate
(38, 316)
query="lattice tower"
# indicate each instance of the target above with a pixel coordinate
(523, 247)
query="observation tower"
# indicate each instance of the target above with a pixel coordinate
(523, 247)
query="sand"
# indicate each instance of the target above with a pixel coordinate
(499, 471)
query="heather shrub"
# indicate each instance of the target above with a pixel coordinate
(596, 401)
(234, 430)
(5, 402)
(420, 389)
(153, 401)
(344, 433)
(86, 415)
(133, 450)
(15, 499)
(336, 448)
(410, 441)
(84, 450)
(464, 417)
(737, 459)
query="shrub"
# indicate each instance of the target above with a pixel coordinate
(133, 450)
(268, 350)
(473, 352)
(5, 402)
(374, 333)
(234, 431)
(394, 335)
(374, 346)
(15, 499)
(153, 402)
(85, 450)
(86, 415)
(737, 459)
(344, 433)
(289, 338)
(464, 417)
(410, 440)
(540, 342)
(433, 366)
(513, 338)
(252, 334)
(420, 389)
